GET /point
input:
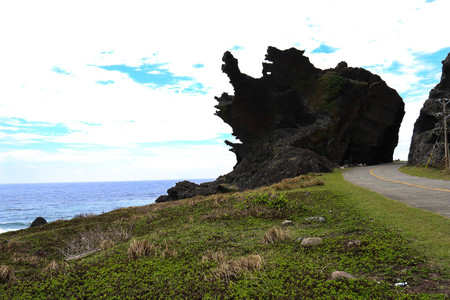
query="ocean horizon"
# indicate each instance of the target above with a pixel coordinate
(22, 203)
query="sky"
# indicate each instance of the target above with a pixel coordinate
(124, 90)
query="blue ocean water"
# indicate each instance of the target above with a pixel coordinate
(20, 204)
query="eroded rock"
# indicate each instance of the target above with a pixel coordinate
(298, 119)
(428, 127)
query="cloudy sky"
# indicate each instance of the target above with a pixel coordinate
(124, 90)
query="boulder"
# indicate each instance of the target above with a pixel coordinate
(39, 221)
(428, 126)
(337, 275)
(311, 241)
(297, 119)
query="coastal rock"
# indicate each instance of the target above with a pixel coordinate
(428, 127)
(298, 119)
(39, 221)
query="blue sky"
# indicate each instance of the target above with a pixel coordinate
(115, 90)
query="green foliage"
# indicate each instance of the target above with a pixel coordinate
(334, 86)
(270, 200)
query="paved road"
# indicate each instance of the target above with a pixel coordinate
(429, 194)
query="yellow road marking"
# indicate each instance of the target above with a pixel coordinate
(405, 183)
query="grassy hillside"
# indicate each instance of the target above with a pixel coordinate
(235, 246)
(429, 172)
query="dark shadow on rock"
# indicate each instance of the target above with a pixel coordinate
(298, 119)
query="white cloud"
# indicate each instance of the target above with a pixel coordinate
(75, 36)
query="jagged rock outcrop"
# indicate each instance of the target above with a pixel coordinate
(297, 119)
(428, 127)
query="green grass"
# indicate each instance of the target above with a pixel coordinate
(429, 172)
(215, 247)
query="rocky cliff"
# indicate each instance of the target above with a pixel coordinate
(297, 119)
(427, 131)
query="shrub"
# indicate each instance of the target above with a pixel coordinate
(6, 274)
(276, 235)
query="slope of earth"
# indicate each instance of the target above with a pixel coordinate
(225, 246)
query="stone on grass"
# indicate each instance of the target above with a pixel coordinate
(336, 275)
(319, 219)
(311, 241)
(287, 223)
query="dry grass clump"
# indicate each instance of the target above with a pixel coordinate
(7, 274)
(166, 252)
(231, 269)
(92, 239)
(218, 257)
(25, 258)
(84, 215)
(276, 235)
(106, 244)
(8, 246)
(312, 182)
(301, 181)
(53, 266)
(140, 248)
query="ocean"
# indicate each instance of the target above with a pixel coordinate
(20, 204)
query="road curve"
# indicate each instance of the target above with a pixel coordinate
(387, 180)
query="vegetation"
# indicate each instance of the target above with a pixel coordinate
(235, 246)
(429, 172)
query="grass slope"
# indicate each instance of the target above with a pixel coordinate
(429, 172)
(234, 246)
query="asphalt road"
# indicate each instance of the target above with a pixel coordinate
(428, 194)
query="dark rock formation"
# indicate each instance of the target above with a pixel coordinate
(429, 124)
(297, 119)
(39, 221)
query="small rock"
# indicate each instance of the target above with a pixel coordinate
(287, 223)
(352, 244)
(336, 275)
(39, 221)
(319, 219)
(401, 284)
(311, 241)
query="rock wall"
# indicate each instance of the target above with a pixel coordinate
(428, 126)
(297, 119)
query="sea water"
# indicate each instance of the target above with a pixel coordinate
(20, 204)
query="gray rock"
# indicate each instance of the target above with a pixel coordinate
(352, 244)
(318, 219)
(287, 223)
(311, 241)
(39, 221)
(336, 275)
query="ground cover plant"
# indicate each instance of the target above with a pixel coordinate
(429, 172)
(235, 245)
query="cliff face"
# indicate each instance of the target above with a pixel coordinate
(356, 115)
(428, 127)
(297, 119)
